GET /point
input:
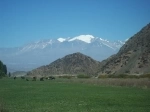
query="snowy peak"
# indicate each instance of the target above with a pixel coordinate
(84, 38)
(37, 45)
(61, 39)
(88, 41)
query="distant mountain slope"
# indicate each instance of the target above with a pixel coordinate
(18, 73)
(132, 58)
(43, 52)
(75, 63)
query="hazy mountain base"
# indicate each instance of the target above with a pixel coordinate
(41, 53)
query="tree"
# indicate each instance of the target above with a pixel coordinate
(9, 74)
(3, 69)
(1, 66)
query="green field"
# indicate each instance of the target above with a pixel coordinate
(67, 96)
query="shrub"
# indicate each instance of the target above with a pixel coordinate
(2, 74)
(103, 76)
(122, 76)
(132, 76)
(66, 76)
(118, 76)
(83, 76)
(145, 76)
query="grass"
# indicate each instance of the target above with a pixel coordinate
(71, 95)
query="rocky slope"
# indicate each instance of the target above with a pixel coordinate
(132, 58)
(74, 64)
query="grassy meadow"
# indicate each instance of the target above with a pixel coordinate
(75, 95)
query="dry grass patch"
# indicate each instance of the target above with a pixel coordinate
(128, 82)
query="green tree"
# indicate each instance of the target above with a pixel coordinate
(1, 66)
(9, 74)
(3, 69)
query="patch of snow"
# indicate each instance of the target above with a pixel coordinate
(61, 39)
(108, 46)
(101, 39)
(84, 38)
(127, 39)
(49, 42)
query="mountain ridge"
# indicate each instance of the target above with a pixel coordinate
(132, 58)
(87, 39)
(72, 64)
(43, 52)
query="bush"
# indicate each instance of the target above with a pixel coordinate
(122, 76)
(132, 76)
(66, 76)
(118, 76)
(103, 76)
(2, 74)
(145, 76)
(83, 76)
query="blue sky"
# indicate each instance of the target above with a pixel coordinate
(23, 21)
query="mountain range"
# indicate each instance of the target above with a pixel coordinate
(133, 58)
(36, 54)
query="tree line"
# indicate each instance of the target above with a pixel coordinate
(3, 69)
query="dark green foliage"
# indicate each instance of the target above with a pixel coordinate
(145, 76)
(103, 76)
(1, 74)
(34, 79)
(3, 69)
(66, 76)
(22, 77)
(124, 76)
(9, 74)
(83, 76)
(118, 76)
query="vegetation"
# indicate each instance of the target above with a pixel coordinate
(69, 95)
(2, 107)
(3, 69)
(66, 76)
(145, 76)
(83, 76)
(124, 76)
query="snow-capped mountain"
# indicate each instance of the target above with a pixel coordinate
(86, 39)
(44, 52)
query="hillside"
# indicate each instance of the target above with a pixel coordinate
(74, 64)
(19, 73)
(132, 58)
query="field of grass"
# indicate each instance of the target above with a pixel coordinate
(70, 96)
